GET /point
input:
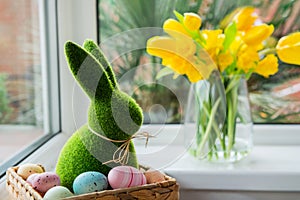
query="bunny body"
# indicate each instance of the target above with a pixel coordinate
(112, 114)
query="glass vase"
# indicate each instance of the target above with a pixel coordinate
(215, 133)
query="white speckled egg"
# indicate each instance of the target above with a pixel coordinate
(88, 182)
(26, 170)
(125, 176)
(57, 192)
(44, 181)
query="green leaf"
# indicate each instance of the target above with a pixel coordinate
(164, 72)
(178, 16)
(230, 33)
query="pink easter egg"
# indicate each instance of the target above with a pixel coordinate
(125, 176)
(44, 181)
(31, 178)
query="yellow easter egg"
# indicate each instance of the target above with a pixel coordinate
(26, 170)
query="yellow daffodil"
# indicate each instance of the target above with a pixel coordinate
(238, 45)
(183, 66)
(241, 47)
(245, 18)
(214, 38)
(175, 28)
(214, 42)
(166, 46)
(224, 60)
(247, 59)
(229, 18)
(177, 54)
(159, 46)
(288, 48)
(268, 66)
(192, 21)
(257, 34)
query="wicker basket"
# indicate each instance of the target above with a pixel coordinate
(165, 190)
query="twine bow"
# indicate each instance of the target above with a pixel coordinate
(121, 155)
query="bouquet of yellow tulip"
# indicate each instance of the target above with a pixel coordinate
(235, 50)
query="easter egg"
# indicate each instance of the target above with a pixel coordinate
(31, 178)
(57, 192)
(44, 181)
(88, 182)
(26, 170)
(125, 176)
(154, 176)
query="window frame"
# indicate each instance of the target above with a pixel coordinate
(87, 26)
(264, 133)
(59, 81)
(50, 82)
(72, 26)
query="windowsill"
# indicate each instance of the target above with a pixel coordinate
(46, 156)
(268, 168)
(9, 145)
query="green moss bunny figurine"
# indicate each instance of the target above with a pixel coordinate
(113, 117)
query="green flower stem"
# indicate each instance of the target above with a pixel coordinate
(208, 131)
(268, 51)
(231, 97)
(217, 130)
(231, 117)
(209, 126)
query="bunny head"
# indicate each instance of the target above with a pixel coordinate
(112, 113)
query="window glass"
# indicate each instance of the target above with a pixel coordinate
(21, 105)
(273, 100)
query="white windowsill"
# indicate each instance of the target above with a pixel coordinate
(268, 168)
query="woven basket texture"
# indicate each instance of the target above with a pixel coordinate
(18, 188)
(166, 190)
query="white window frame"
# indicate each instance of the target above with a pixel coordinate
(50, 82)
(59, 22)
(78, 27)
(76, 22)
(275, 136)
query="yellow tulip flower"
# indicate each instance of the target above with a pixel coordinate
(236, 44)
(224, 60)
(194, 53)
(159, 46)
(229, 18)
(245, 18)
(247, 59)
(185, 66)
(177, 54)
(194, 74)
(214, 38)
(214, 42)
(174, 28)
(192, 21)
(268, 66)
(257, 34)
(167, 46)
(288, 48)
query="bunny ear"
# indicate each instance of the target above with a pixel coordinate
(93, 48)
(88, 71)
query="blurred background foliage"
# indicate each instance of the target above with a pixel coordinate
(21, 91)
(5, 110)
(273, 100)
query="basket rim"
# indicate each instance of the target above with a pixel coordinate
(167, 183)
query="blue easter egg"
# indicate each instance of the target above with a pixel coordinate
(88, 182)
